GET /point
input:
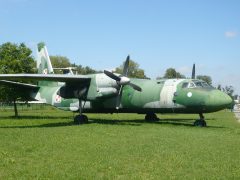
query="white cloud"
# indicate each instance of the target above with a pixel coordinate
(231, 34)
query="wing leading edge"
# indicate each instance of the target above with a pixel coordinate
(18, 84)
(47, 77)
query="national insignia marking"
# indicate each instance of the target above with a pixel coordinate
(189, 94)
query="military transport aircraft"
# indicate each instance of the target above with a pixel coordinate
(116, 93)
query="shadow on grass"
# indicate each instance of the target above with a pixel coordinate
(35, 117)
(187, 122)
(47, 125)
(138, 122)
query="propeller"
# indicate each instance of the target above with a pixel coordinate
(193, 72)
(125, 67)
(122, 80)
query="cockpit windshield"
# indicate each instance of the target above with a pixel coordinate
(196, 84)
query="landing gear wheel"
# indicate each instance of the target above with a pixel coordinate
(80, 119)
(151, 117)
(200, 123)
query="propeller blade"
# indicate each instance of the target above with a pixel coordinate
(125, 67)
(111, 75)
(119, 97)
(136, 87)
(193, 72)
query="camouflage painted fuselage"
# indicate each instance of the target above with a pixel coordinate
(158, 96)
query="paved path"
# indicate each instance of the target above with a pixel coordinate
(237, 114)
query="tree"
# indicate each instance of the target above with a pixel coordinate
(228, 90)
(134, 71)
(63, 62)
(84, 70)
(219, 87)
(206, 78)
(59, 62)
(171, 73)
(14, 59)
(235, 97)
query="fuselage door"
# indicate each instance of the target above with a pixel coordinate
(168, 93)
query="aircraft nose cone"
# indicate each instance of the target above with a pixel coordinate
(228, 100)
(219, 100)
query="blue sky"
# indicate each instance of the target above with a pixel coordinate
(158, 34)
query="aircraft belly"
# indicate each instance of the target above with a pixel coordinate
(72, 105)
(155, 104)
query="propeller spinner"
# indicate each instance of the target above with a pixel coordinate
(122, 80)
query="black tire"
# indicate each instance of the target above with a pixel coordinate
(200, 123)
(151, 117)
(80, 119)
(85, 119)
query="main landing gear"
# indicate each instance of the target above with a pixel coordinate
(200, 122)
(151, 117)
(80, 119)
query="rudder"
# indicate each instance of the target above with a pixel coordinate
(44, 64)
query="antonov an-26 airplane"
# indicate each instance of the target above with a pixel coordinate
(116, 93)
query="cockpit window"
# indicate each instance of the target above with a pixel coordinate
(196, 84)
(191, 85)
(201, 84)
(204, 84)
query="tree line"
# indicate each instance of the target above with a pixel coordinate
(17, 58)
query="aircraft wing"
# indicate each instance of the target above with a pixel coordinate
(26, 88)
(47, 77)
(18, 84)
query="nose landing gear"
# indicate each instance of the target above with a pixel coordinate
(200, 122)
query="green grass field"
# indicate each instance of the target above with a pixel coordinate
(44, 144)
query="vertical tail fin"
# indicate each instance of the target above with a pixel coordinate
(44, 64)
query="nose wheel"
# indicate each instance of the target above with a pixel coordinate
(200, 122)
(80, 118)
(151, 117)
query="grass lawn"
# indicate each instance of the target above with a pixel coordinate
(44, 144)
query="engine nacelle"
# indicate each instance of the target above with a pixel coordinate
(68, 92)
(106, 92)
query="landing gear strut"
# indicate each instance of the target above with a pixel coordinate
(80, 119)
(151, 117)
(200, 122)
